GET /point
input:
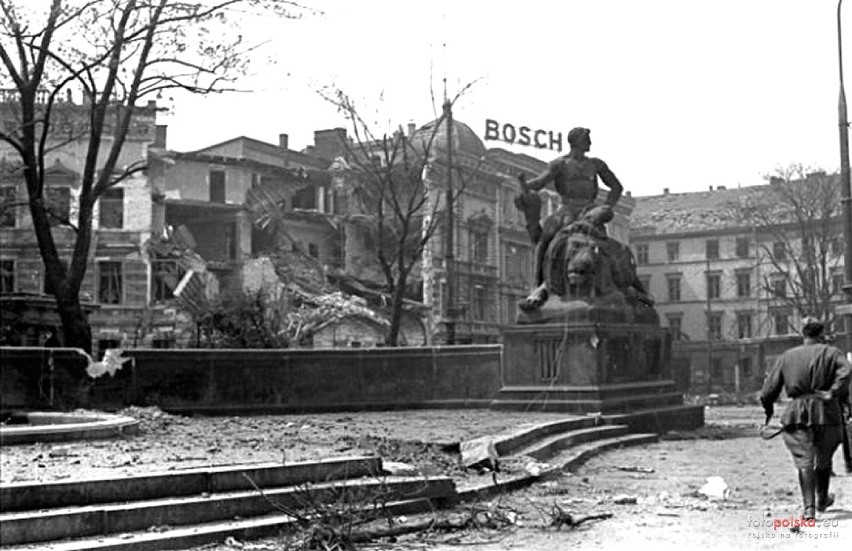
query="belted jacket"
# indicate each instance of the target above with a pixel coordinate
(816, 379)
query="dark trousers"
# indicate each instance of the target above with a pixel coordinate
(813, 447)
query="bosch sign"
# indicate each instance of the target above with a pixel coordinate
(523, 135)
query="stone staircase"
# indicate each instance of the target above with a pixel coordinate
(554, 447)
(192, 507)
(176, 510)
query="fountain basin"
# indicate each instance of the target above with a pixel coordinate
(51, 426)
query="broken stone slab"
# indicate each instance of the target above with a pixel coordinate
(479, 453)
(398, 468)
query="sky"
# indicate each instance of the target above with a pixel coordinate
(678, 94)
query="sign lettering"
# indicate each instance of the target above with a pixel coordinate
(523, 135)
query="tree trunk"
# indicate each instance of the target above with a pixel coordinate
(76, 332)
(396, 313)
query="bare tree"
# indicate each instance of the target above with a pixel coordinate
(117, 52)
(797, 219)
(401, 205)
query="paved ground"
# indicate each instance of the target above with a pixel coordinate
(651, 491)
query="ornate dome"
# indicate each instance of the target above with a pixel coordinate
(465, 140)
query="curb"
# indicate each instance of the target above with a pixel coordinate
(89, 427)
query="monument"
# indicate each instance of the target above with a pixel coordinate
(587, 339)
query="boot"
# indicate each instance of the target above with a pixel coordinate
(807, 483)
(824, 500)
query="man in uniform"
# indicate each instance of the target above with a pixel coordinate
(575, 178)
(815, 377)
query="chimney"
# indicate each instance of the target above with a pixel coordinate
(411, 128)
(721, 188)
(628, 193)
(160, 135)
(329, 143)
(711, 188)
(284, 141)
(665, 192)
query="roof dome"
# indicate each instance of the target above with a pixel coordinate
(465, 140)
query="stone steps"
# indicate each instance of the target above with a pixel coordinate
(200, 504)
(546, 448)
(183, 537)
(192, 507)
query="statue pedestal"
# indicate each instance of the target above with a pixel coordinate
(586, 367)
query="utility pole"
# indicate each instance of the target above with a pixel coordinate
(709, 334)
(846, 190)
(449, 254)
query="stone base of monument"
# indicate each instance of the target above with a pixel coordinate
(584, 367)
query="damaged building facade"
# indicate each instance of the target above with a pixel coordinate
(116, 288)
(719, 282)
(195, 227)
(492, 255)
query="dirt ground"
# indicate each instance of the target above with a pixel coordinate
(651, 491)
(169, 442)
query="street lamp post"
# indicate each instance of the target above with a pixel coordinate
(449, 253)
(846, 189)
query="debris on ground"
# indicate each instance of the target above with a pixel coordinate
(715, 488)
(634, 469)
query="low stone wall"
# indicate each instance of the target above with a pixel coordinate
(265, 381)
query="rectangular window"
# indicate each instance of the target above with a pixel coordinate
(782, 323)
(165, 276)
(837, 281)
(7, 277)
(779, 250)
(112, 209)
(779, 288)
(716, 369)
(57, 200)
(676, 327)
(746, 368)
(231, 241)
(714, 326)
(313, 250)
(673, 251)
(742, 247)
(7, 206)
(516, 261)
(478, 302)
(711, 247)
(511, 309)
(744, 325)
(743, 284)
(642, 256)
(837, 246)
(480, 247)
(217, 186)
(110, 290)
(714, 286)
(673, 288)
